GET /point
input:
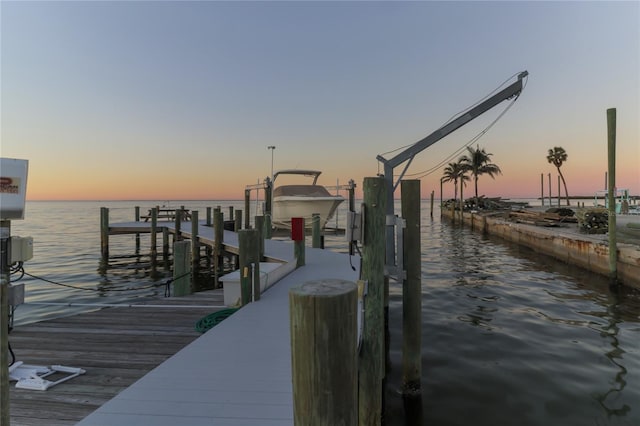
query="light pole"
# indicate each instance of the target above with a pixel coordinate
(272, 148)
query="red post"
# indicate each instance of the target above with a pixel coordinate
(297, 229)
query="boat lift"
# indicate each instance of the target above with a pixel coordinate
(408, 154)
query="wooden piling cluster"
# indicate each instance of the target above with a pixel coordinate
(331, 385)
(184, 275)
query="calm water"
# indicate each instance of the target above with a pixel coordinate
(509, 337)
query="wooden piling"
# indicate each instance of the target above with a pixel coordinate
(542, 188)
(104, 232)
(323, 325)
(268, 203)
(315, 230)
(5, 280)
(611, 193)
(431, 211)
(154, 240)
(352, 208)
(411, 289)
(208, 216)
(165, 247)
(181, 269)
(137, 219)
(259, 223)
(247, 208)
(177, 236)
(238, 221)
(195, 244)
(218, 231)
(298, 236)
(371, 365)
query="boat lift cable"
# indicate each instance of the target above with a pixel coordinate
(462, 112)
(477, 137)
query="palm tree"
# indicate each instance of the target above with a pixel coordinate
(452, 173)
(479, 163)
(557, 156)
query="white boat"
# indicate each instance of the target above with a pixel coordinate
(302, 200)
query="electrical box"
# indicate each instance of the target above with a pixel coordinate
(16, 294)
(21, 249)
(13, 188)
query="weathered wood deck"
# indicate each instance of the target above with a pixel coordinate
(116, 346)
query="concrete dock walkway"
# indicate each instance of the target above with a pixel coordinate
(238, 373)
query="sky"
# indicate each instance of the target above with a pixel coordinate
(180, 100)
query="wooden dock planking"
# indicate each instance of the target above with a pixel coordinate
(116, 346)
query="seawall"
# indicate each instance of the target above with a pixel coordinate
(564, 242)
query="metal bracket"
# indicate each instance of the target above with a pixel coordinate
(397, 271)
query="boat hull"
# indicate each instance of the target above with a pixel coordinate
(286, 207)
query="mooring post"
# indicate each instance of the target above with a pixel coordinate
(178, 225)
(248, 256)
(238, 221)
(5, 279)
(154, 240)
(611, 195)
(542, 188)
(181, 269)
(411, 290)
(315, 230)
(298, 237)
(104, 232)
(371, 366)
(352, 208)
(259, 222)
(324, 361)
(432, 195)
(268, 204)
(559, 191)
(137, 219)
(218, 230)
(462, 203)
(247, 208)
(195, 245)
(208, 216)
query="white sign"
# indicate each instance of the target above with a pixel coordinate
(13, 188)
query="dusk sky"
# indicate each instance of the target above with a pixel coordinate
(180, 100)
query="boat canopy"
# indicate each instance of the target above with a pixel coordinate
(312, 173)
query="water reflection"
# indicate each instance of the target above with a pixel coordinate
(615, 356)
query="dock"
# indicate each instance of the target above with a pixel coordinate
(148, 366)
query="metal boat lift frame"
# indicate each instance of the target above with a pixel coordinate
(408, 154)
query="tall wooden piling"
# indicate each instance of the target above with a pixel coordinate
(315, 230)
(323, 321)
(181, 269)
(542, 188)
(411, 289)
(371, 365)
(165, 247)
(208, 219)
(611, 195)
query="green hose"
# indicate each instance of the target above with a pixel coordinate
(213, 319)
